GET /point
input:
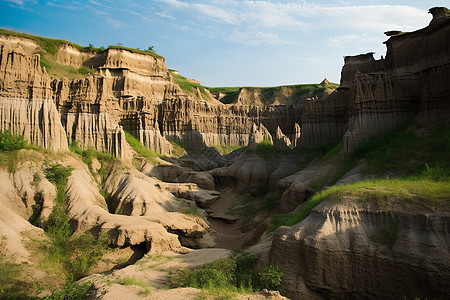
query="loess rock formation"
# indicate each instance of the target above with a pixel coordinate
(377, 95)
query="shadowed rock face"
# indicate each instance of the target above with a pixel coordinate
(377, 95)
(345, 250)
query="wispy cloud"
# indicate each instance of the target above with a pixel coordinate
(65, 6)
(273, 18)
(163, 15)
(176, 3)
(21, 3)
(254, 37)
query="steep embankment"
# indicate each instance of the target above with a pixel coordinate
(351, 249)
(283, 95)
(98, 91)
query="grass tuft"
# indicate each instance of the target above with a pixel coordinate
(141, 149)
(229, 275)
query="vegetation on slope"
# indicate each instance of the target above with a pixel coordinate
(189, 86)
(141, 149)
(65, 254)
(49, 48)
(268, 93)
(225, 277)
(420, 165)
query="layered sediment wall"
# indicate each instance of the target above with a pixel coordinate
(377, 95)
(347, 250)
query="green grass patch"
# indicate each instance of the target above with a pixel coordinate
(178, 149)
(141, 149)
(265, 149)
(417, 192)
(226, 149)
(229, 275)
(135, 50)
(75, 254)
(330, 151)
(189, 86)
(49, 45)
(61, 70)
(190, 211)
(403, 151)
(131, 280)
(12, 285)
(70, 290)
(106, 160)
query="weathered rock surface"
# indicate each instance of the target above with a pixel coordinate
(14, 219)
(377, 95)
(37, 120)
(139, 93)
(138, 195)
(88, 211)
(349, 250)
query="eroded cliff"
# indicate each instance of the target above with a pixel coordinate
(377, 95)
(347, 250)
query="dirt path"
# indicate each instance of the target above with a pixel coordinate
(227, 235)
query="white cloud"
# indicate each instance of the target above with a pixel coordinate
(21, 3)
(49, 3)
(256, 37)
(164, 16)
(176, 3)
(249, 17)
(216, 13)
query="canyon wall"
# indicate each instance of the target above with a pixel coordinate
(347, 250)
(136, 92)
(377, 95)
(131, 91)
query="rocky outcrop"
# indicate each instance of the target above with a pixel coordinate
(88, 212)
(37, 120)
(25, 108)
(377, 95)
(257, 135)
(96, 131)
(281, 141)
(349, 250)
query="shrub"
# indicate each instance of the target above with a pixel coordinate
(85, 252)
(58, 174)
(70, 290)
(230, 275)
(9, 142)
(271, 277)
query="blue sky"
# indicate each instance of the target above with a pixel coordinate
(228, 42)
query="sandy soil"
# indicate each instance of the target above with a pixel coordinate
(227, 236)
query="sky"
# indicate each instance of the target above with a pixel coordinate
(228, 42)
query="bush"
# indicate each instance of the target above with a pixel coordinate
(10, 142)
(271, 277)
(58, 174)
(230, 275)
(85, 252)
(70, 290)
